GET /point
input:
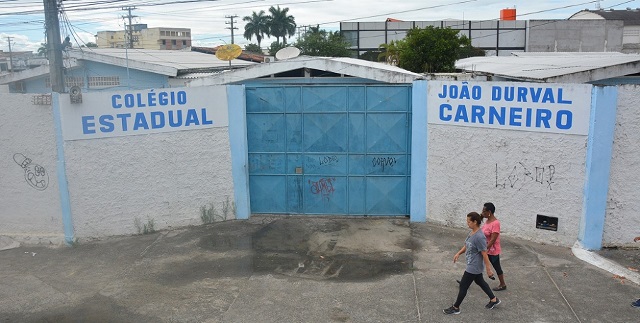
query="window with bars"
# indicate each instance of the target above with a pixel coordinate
(98, 81)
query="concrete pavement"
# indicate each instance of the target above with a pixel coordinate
(301, 269)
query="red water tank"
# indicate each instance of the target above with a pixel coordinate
(508, 14)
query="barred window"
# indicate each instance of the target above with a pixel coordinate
(69, 81)
(98, 81)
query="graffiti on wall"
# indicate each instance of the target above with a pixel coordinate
(34, 174)
(520, 176)
(323, 187)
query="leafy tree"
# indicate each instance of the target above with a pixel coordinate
(253, 48)
(390, 53)
(257, 25)
(275, 47)
(470, 51)
(432, 50)
(281, 24)
(90, 45)
(317, 42)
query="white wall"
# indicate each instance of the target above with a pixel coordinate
(470, 166)
(28, 212)
(622, 222)
(163, 177)
(524, 171)
(119, 184)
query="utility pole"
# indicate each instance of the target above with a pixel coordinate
(53, 45)
(10, 55)
(231, 25)
(129, 30)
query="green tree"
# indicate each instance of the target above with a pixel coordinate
(470, 51)
(432, 50)
(275, 47)
(253, 48)
(257, 25)
(90, 45)
(317, 42)
(281, 24)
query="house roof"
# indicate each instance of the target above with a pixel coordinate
(554, 67)
(36, 72)
(245, 56)
(336, 65)
(631, 17)
(166, 62)
(172, 63)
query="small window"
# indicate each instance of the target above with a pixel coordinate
(173, 42)
(19, 87)
(164, 42)
(184, 43)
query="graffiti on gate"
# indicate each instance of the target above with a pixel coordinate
(384, 162)
(34, 174)
(323, 187)
(519, 176)
(328, 160)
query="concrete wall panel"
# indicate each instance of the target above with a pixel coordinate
(575, 36)
(524, 174)
(622, 222)
(29, 196)
(124, 179)
(524, 171)
(166, 178)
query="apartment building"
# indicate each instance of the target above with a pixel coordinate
(142, 37)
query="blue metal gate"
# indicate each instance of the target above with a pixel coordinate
(341, 150)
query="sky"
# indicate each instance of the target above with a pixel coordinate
(22, 21)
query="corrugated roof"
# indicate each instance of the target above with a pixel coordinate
(337, 65)
(178, 60)
(555, 67)
(631, 17)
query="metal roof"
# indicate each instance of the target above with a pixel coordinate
(167, 62)
(631, 17)
(554, 67)
(337, 65)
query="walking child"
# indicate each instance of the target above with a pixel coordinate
(491, 230)
(475, 250)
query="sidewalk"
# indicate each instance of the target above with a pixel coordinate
(300, 269)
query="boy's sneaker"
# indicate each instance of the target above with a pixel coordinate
(636, 303)
(451, 310)
(492, 304)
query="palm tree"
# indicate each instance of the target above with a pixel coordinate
(42, 50)
(390, 52)
(257, 25)
(281, 24)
